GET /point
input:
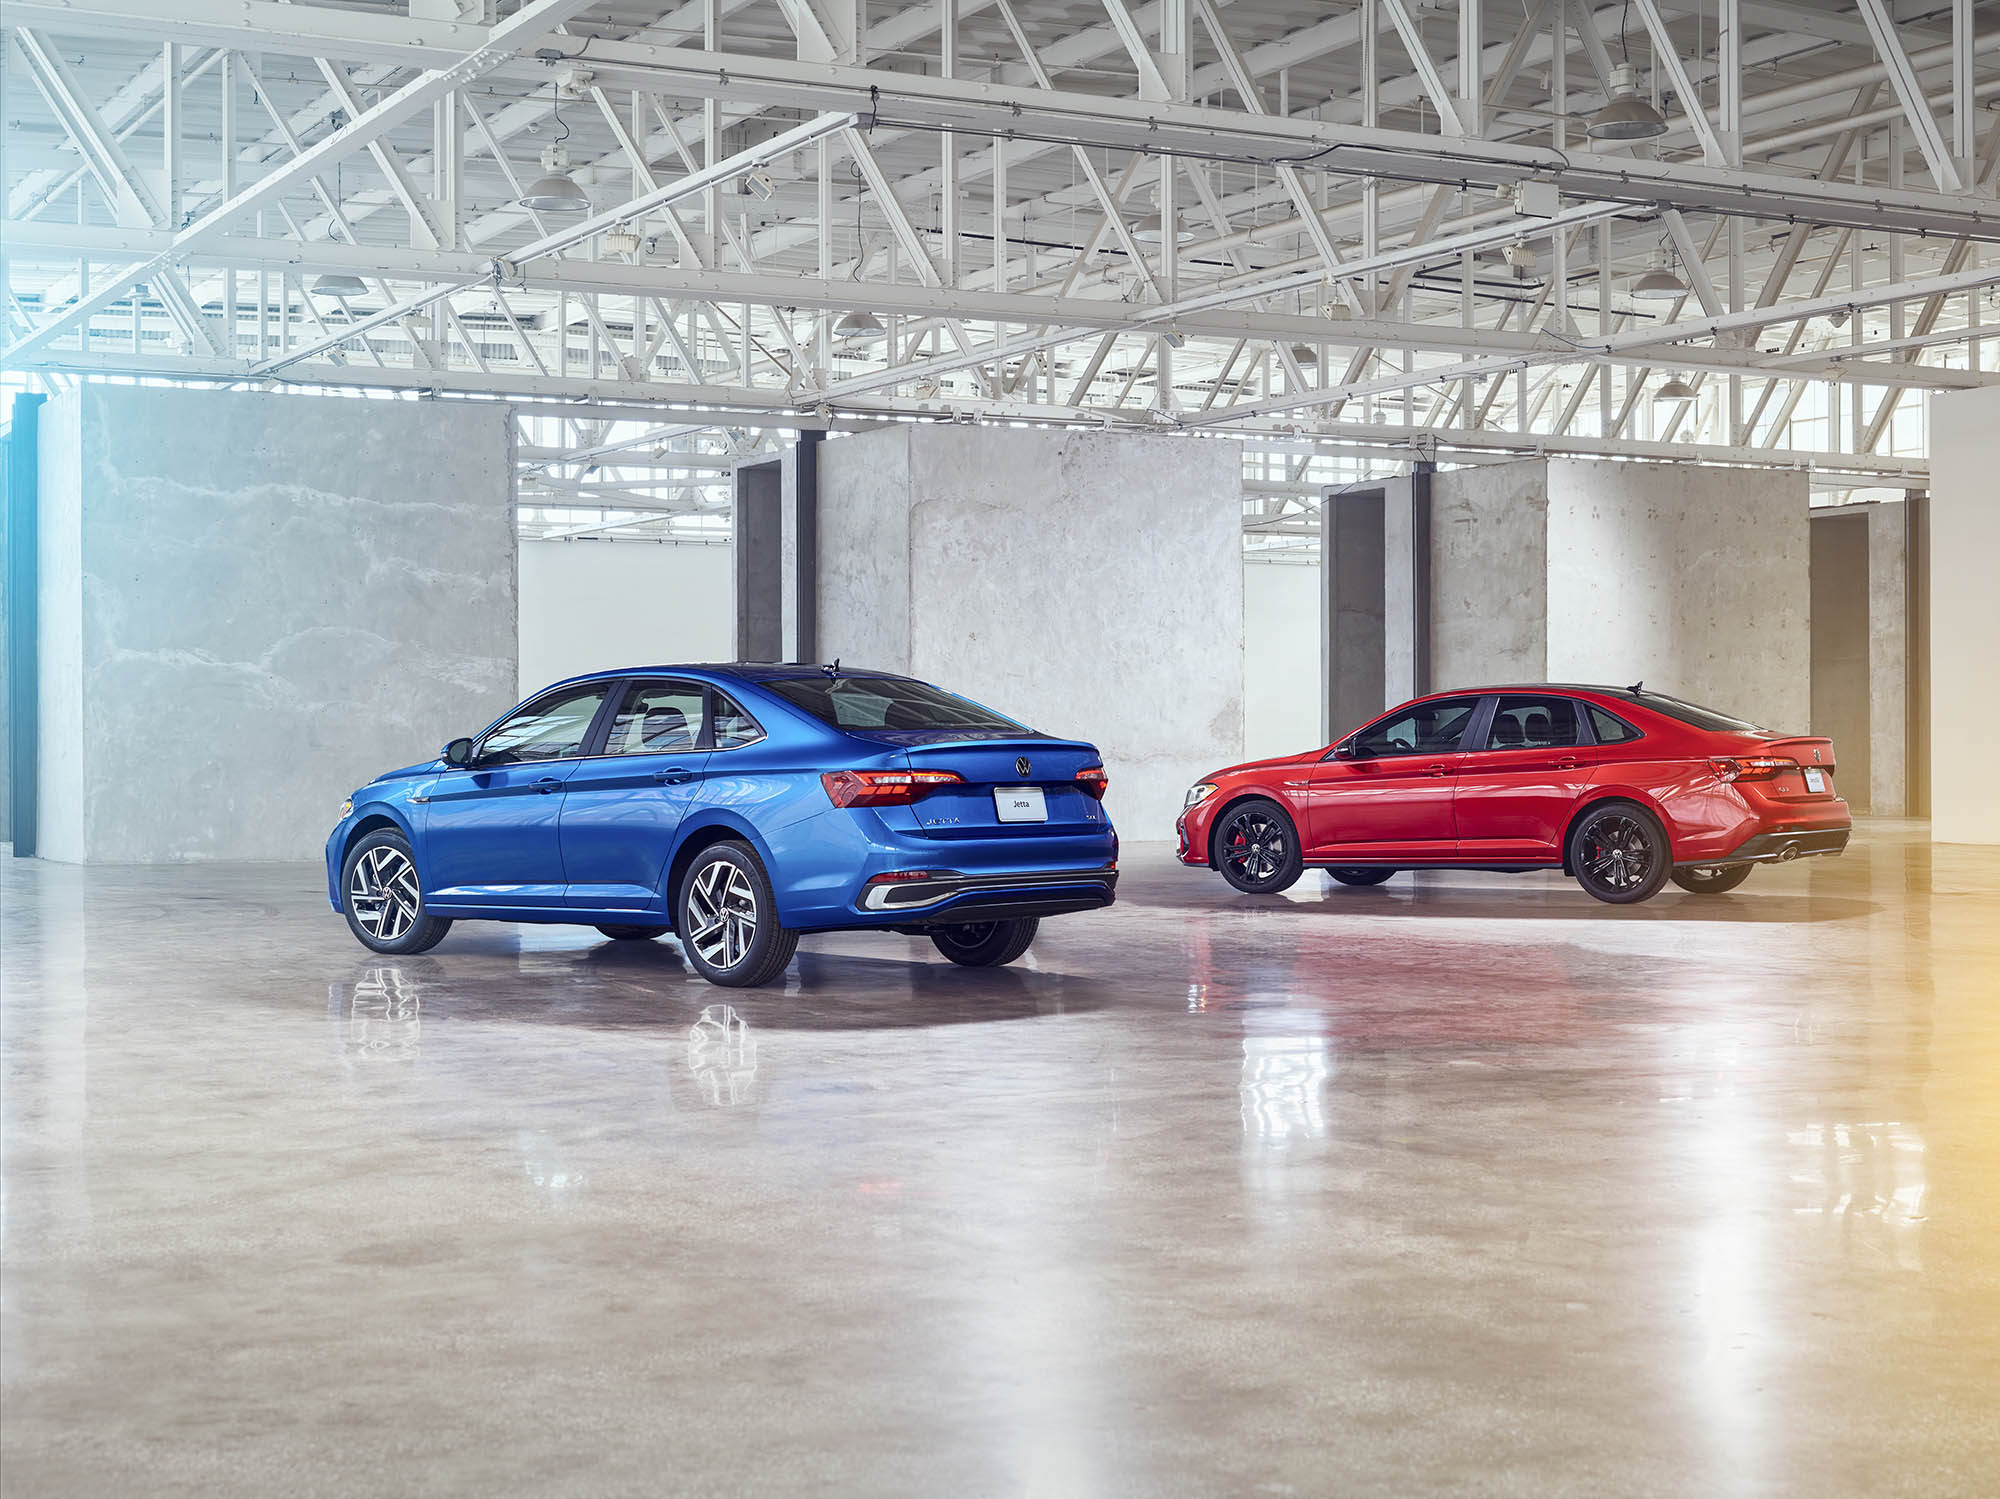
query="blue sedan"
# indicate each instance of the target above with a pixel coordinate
(738, 807)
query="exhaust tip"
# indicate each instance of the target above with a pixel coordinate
(1788, 853)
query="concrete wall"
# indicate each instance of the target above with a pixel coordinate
(251, 603)
(1888, 659)
(1841, 709)
(1282, 680)
(1089, 584)
(590, 605)
(1489, 566)
(1964, 614)
(1694, 579)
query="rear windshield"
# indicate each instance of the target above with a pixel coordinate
(886, 703)
(1701, 718)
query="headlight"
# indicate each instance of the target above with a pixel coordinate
(1201, 791)
(347, 806)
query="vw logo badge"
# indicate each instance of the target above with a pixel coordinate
(1815, 757)
(1022, 767)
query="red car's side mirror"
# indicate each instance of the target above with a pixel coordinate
(1345, 750)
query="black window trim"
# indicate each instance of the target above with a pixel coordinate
(1490, 710)
(598, 724)
(600, 733)
(1480, 704)
(1636, 735)
(708, 716)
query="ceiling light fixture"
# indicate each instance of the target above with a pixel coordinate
(760, 184)
(1676, 389)
(1152, 230)
(555, 191)
(1305, 356)
(1659, 284)
(854, 324)
(339, 284)
(1626, 116)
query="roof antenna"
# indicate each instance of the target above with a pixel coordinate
(833, 671)
(1636, 688)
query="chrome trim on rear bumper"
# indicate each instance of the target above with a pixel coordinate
(919, 895)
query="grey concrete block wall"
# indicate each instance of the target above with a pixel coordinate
(1489, 575)
(1696, 579)
(1888, 659)
(251, 603)
(1089, 584)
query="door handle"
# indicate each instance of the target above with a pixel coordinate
(547, 784)
(1438, 770)
(1567, 762)
(675, 776)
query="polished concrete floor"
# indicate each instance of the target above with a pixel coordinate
(1465, 1185)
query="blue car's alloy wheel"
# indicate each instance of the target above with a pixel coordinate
(728, 919)
(384, 899)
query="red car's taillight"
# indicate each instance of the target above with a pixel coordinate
(1755, 768)
(884, 788)
(1092, 782)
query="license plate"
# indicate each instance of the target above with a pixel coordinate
(1814, 780)
(1021, 804)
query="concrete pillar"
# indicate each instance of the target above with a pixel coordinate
(1088, 584)
(1888, 660)
(1489, 575)
(1694, 579)
(777, 555)
(252, 603)
(1354, 610)
(1964, 527)
(1842, 645)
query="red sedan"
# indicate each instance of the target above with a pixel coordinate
(1620, 787)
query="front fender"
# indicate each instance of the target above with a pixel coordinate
(364, 819)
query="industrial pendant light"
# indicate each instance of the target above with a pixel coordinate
(1626, 116)
(856, 324)
(555, 191)
(1676, 389)
(1659, 284)
(1152, 230)
(339, 284)
(1305, 356)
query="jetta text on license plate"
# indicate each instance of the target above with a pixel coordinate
(1021, 804)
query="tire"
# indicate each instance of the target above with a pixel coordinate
(634, 933)
(384, 899)
(1710, 879)
(728, 919)
(1361, 876)
(1619, 853)
(985, 944)
(1257, 849)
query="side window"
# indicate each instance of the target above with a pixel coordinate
(1525, 722)
(550, 728)
(733, 727)
(1428, 729)
(656, 718)
(1610, 728)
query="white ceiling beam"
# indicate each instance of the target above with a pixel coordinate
(526, 26)
(1910, 94)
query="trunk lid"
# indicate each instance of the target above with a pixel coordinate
(989, 763)
(1813, 752)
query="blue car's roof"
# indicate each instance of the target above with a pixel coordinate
(749, 671)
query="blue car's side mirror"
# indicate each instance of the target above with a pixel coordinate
(458, 752)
